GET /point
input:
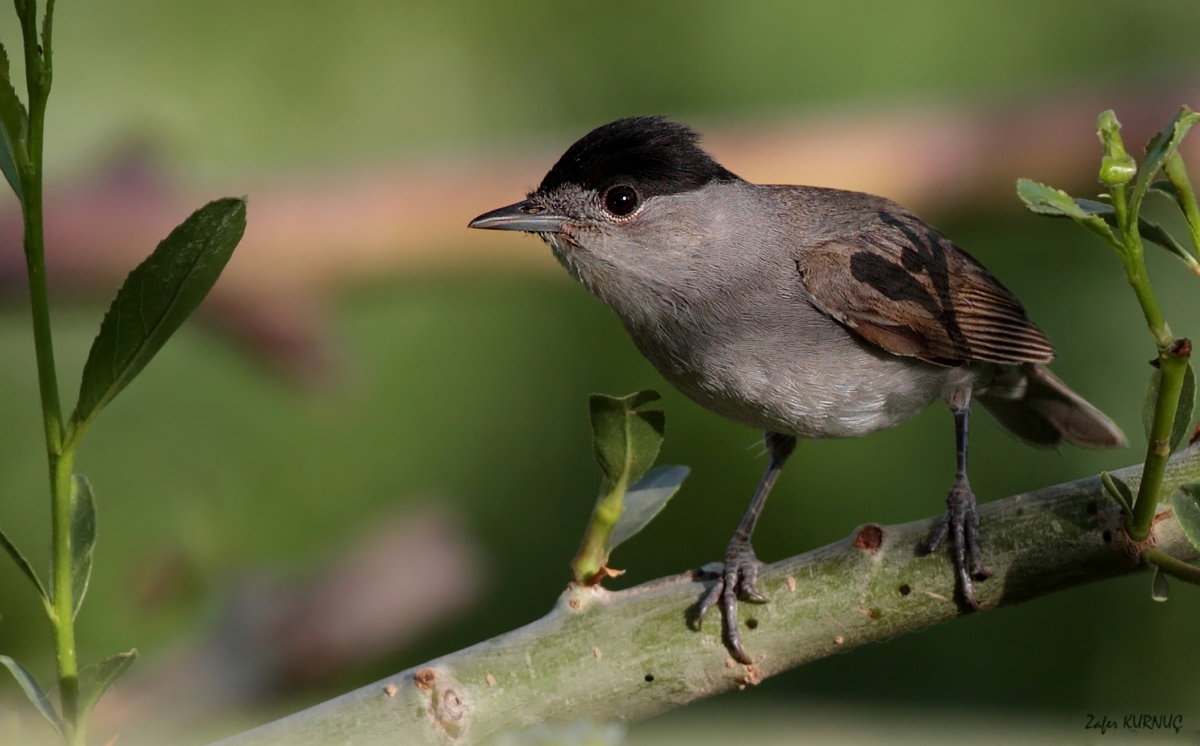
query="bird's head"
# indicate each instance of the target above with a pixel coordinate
(616, 196)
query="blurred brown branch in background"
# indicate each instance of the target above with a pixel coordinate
(312, 234)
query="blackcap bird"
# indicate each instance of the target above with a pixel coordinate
(800, 311)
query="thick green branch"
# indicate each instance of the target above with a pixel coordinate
(627, 655)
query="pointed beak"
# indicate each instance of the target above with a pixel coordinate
(523, 216)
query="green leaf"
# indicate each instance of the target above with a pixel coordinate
(1186, 503)
(1118, 490)
(83, 538)
(1155, 233)
(8, 164)
(1160, 147)
(12, 123)
(26, 568)
(625, 439)
(1160, 589)
(1046, 200)
(1055, 203)
(1149, 230)
(1168, 190)
(95, 680)
(1186, 409)
(155, 300)
(645, 500)
(34, 691)
(1183, 411)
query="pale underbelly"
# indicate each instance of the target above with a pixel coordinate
(842, 391)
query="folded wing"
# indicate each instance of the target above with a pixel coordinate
(903, 286)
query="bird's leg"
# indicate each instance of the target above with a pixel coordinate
(741, 566)
(961, 522)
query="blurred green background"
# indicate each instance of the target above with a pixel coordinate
(470, 389)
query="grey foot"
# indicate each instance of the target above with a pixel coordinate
(736, 581)
(961, 523)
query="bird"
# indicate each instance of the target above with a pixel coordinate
(804, 312)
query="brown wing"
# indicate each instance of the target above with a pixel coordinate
(901, 285)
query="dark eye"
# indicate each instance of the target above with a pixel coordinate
(621, 200)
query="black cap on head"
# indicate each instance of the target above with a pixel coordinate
(652, 153)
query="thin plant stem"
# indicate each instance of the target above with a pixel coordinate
(1133, 258)
(64, 598)
(592, 555)
(38, 76)
(1172, 566)
(1173, 363)
(39, 297)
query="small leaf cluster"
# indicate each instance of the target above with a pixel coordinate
(1122, 208)
(1170, 398)
(626, 440)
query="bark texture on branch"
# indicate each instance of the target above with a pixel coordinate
(627, 655)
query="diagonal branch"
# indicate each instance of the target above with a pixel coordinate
(627, 655)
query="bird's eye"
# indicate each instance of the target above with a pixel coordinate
(621, 200)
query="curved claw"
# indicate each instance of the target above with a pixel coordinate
(754, 597)
(738, 580)
(961, 524)
(709, 600)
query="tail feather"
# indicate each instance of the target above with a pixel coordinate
(1045, 412)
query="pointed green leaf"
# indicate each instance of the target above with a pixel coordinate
(1186, 503)
(156, 299)
(1055, 203)
(1155, 233)
(645, 500)
(626, 440)
(1186, 409)
(1168, 190)
(1160, 147)
(1160, 589)
(83, 538)
(1119, 491)
(12, 124)
(1046, 200)
(27, 568)
(8, 164)
(1149, 230)
(95, 680)
(1183, 412)
(34, 691)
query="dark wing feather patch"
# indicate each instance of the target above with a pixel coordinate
(901, 285)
